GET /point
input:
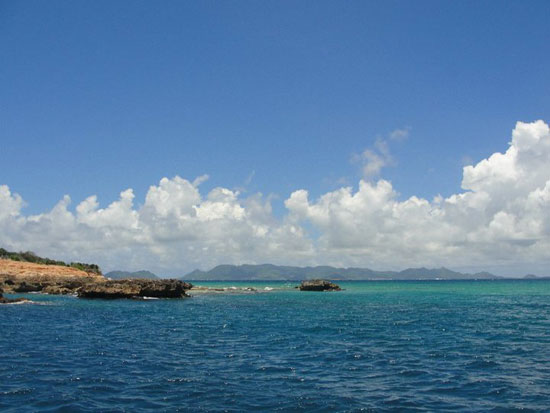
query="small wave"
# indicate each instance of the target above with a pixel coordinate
(240, 289)
(180, 380)
(482, 363)
(150, 298)
(23, 302)
(16, 392)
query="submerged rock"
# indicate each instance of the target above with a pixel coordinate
(318, 285)
(135, 288)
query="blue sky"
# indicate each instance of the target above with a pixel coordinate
(271, 97)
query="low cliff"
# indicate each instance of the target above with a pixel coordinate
(24, 277)
(135, 288)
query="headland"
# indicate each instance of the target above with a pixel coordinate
(26, 277)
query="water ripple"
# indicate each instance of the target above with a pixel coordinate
(373, 347)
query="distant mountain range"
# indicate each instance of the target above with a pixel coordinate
(276, 272)
(118, 275)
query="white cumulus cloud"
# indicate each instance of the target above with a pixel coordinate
(374, 159)
(500, 220)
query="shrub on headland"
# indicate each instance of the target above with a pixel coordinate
(29, 256)
(86, 267)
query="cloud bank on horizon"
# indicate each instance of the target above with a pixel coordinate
(501, 219)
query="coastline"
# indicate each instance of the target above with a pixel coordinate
(24, 277)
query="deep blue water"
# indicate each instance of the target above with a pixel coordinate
(384, 346)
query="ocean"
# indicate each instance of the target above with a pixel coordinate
(376, 346)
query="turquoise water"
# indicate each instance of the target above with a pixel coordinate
(383, 346)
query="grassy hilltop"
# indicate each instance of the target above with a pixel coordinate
(31, 257)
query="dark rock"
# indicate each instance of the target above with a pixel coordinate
(4, 300)
(318, 285)
(27, 287)
(59, 289)
(135, 288)
(66, 287)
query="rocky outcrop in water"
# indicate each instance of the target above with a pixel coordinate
(4, 300)
(318, 285)
(136, 288)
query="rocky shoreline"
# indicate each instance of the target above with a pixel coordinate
(95, 287)
(18, 277)
(99, 287)
(24, 277)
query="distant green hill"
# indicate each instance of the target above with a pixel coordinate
(118, 275)
(277, 272)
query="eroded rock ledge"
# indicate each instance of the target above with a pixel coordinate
(135, 288)
(94, 287)
(45, 284)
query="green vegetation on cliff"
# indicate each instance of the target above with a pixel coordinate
(29, 256)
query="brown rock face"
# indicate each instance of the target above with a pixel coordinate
(62, 288)
(318, 285)
(135, 288)
(52, 285)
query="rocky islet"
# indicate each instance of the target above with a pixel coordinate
(318, 285)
